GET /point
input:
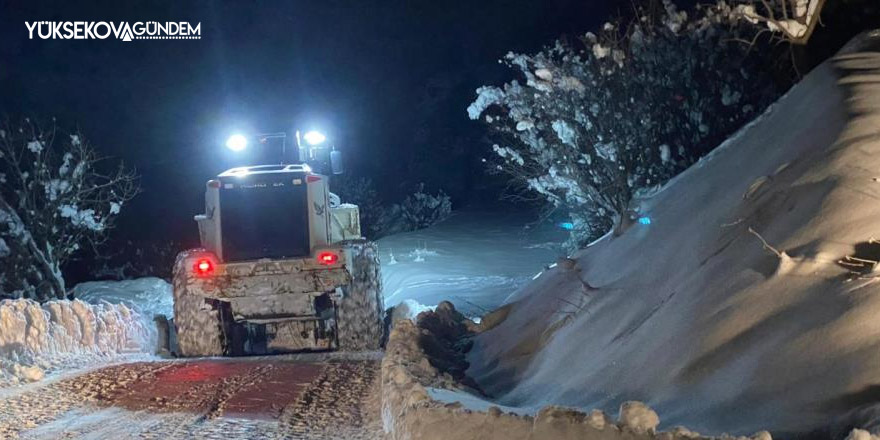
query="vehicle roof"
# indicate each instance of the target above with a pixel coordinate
(266, 169)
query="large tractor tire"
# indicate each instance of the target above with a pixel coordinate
(196, 319)
(360, 312)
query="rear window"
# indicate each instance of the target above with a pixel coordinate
(264, 220)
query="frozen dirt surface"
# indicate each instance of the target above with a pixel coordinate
(474, 259)
(291, 397)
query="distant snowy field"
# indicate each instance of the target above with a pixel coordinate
(149, 296)
(476, 260)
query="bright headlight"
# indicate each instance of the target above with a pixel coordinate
(236, 142)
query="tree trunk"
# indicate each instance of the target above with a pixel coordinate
(51, 284)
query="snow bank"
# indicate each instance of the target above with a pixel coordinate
(749, 302)
(108, 318)
(36, 339)
(421, 402)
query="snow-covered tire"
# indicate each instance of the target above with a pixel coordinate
(359, 315)
(196, 319)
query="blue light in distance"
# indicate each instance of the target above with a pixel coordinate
(567, 226)
(645, 220)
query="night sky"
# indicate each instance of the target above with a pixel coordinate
(387, 81)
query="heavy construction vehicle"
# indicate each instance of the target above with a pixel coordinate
(283, 266)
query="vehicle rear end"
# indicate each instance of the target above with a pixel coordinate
(268, 279)
(258, 307)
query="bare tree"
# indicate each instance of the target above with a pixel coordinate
(57, 195)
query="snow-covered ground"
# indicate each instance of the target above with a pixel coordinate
(751, 300)
(474, 259)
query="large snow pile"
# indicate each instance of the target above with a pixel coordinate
(36, 339)
(474, 259)
(748, 301)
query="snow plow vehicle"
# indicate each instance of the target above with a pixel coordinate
(282, 268)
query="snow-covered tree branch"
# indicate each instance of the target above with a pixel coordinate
(56, 197)
(591, 124)
(794, 20)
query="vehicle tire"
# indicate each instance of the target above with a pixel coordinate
(359, 314)
(196, 319)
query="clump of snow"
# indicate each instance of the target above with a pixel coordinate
(861, 434)
(81, 217)
(35, 147)
(639, 417)
(409, 309)
(544, 74)
(509, 154)
(486, 97)
(525, 125)
(665, 153)
(565, 132)
(36, 339)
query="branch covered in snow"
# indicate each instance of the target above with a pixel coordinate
(57, 196)
(586, 126)
(794, 20)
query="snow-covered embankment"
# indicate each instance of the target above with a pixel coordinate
(109, 318)
(751, 300)
(424, 395)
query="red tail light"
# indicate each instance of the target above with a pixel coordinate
(203, 267)
(312, 178)
(328, 258)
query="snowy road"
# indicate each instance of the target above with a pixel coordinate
(475, 259)
(303, 397)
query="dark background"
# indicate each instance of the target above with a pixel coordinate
(388, 82)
